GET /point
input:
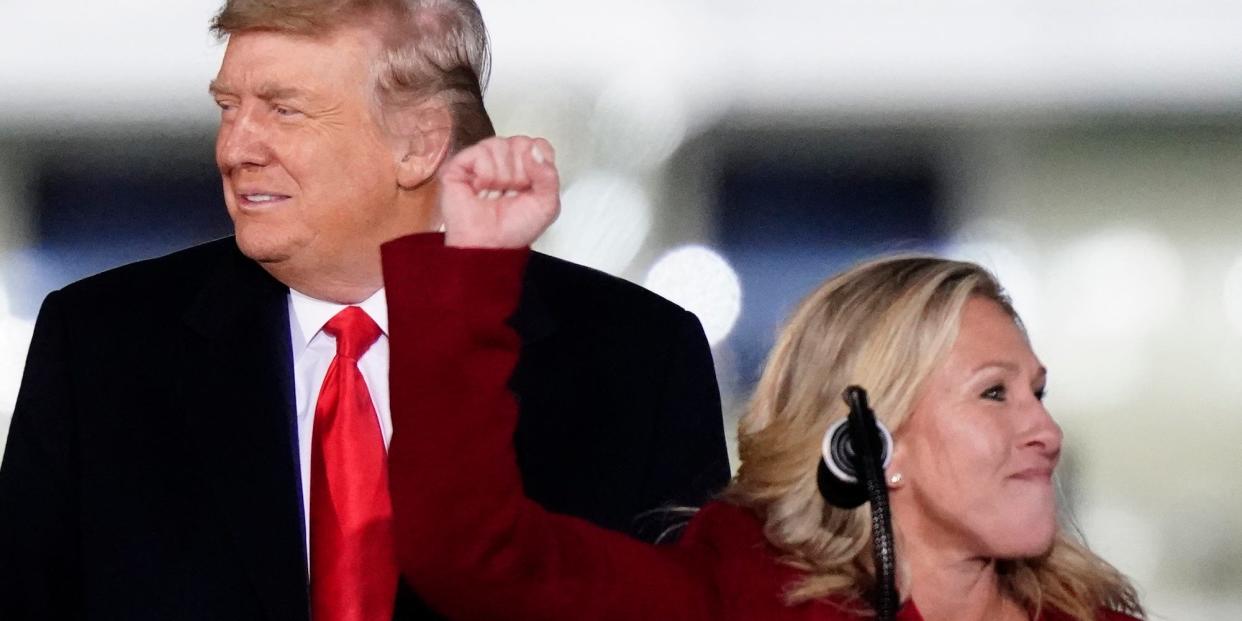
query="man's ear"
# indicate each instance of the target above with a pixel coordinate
(422, 134)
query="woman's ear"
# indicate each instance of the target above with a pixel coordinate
(895, 475)
(421, 137)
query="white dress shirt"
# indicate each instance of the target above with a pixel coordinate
(313, 351)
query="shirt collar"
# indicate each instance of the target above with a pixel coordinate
(311, 314)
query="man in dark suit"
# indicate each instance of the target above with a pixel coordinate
(159, 462)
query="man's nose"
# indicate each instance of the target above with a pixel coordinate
(243, 141)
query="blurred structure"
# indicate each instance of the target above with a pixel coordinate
(732, 154)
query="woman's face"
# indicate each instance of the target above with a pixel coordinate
(977, 453)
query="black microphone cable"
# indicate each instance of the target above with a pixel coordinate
(866, 436)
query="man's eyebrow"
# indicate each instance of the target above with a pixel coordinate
(266, 92)
(216, 87)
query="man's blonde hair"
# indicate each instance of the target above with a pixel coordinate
(884, 325)
(431, 48)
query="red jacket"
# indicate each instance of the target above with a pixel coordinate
(470, 541)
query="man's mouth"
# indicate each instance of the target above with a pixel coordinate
(260, 199)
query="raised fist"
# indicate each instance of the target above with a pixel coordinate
(499, 193)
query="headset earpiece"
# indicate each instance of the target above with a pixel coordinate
(839, 478)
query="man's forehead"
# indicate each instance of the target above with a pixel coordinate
(276, 65)
(343, 39)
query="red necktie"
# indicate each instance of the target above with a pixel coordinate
(353, 569)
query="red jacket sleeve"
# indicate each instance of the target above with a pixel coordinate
(468, 539)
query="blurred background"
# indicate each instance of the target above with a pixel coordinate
(731, 154)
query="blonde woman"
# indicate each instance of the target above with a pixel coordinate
(935, 343)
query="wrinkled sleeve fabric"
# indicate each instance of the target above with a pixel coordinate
(469, 540)
(39, 551)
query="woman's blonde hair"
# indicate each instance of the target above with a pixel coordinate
(884, 325)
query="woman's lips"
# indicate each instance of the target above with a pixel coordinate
(1034, 473)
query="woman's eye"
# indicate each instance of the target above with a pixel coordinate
(995, 393)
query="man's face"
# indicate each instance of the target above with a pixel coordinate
(310, 177)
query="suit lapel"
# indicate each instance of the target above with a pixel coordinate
(237, 387)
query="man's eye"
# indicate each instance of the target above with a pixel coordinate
(285, 111)
(995, 393)
(1040, 393)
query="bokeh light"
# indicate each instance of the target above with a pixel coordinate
(639, 121)
(1116, 284)
(1008, 255)
(701, 281)
(1108, 293)
(1231, 296)
(15, 334)
(1127, 538)
(605, 218)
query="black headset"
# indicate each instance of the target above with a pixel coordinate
(840, 469)
(855, 452)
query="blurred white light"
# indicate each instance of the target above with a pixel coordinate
(1128, 539)
(1009, 262)
(1086, 378)
(15, 334)
(605, 219)
(702, 282)
(1117, 284)
(1107, 293)
(552, 112)
(639, 121)
(1232, 295)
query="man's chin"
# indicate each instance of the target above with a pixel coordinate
(263, 251)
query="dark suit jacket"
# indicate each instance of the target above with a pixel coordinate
(151, 470)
